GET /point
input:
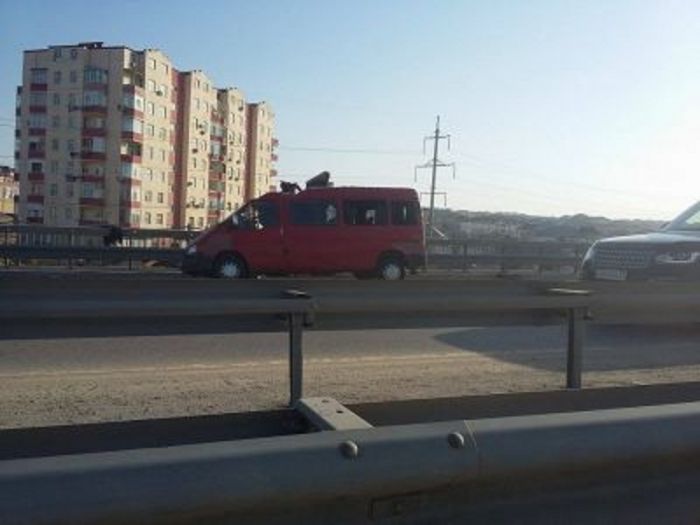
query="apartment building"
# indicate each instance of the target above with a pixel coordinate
(229, 154)
(9, 190)
(260, 155)
(112, 135)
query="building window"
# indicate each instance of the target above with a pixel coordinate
(55, 121)
(163, 111)
(151, 85)
(73, 77)
(53, 190)
(54, 165)
(200, 222)
(73, 54)
(56, 77)
(147, 218)
(69, 213)
(166, 68)
(38, 75)
(71, 122)
(162, 90)
(160, 198)
(93, 75)
(148, 196)
(151, 108)
(152, 63)
(150, 152)
(159, 218)
(56, 99)
(57, 53)
(54, 147)
(163, 155)
(162, 134)
(194, 165)
(150, 130)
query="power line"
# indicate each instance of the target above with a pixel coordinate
(362, 151)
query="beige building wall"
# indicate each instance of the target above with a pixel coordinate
(261, 157)
(9, 190)
(86, 154)
(111, 135)
(159, 141)
(199, 101)
(232, 110)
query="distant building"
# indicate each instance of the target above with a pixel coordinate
(9, 190)
(112, 135)
(260, 154)
(475, 229)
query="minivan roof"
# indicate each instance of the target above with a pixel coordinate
(349, 191)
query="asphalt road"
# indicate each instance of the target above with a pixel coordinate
(68, 380)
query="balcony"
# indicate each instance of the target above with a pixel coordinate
(37, 132)
(92, 201)
(18, 133)
(132, 136)
(134, 158)
(35, 175)
(38, 86)
(90, 222)
(96, 86)
(134, 205)
(35, 220)
(37, 109)
(36, 154)
(92, 177)
(273, 173)
(275, 142)
(95, 109)
(274, 157)
(93, 155)
(94, 132)
(35, 199)
(132, 112)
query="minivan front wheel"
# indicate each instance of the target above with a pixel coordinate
(230, 267)
(391, 269)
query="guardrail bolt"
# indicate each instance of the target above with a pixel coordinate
(455, 440)
(349, 449)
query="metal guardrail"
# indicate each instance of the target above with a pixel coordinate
(437, 472)
(301, 309)
(21, 242)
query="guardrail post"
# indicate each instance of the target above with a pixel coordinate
(296, 356)
(575, 347)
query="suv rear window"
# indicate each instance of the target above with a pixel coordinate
(369, 212)
(405, 213)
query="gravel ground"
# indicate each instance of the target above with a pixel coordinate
(45, 397)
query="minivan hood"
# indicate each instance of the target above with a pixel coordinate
(658, 238)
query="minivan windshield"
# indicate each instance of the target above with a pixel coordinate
(689, 220)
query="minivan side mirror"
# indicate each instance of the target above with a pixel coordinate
(234, 220)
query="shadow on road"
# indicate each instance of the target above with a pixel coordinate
(606, 348)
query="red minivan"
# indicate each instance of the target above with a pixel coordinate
(371, 232)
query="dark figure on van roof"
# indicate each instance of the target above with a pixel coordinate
(322, 180)
(290, 187)
(113, 236)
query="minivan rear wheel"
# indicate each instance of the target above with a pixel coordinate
(230, 266)
(391, 269)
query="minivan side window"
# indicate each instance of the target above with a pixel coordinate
(258, 215)
(405, 213)
(369, 212)
(314, 213)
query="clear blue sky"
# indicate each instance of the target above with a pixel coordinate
(555, 107)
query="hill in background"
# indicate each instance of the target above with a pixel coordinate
(568, 228)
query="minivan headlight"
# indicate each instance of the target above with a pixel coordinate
(677, 257)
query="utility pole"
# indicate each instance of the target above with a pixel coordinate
(434, 164)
